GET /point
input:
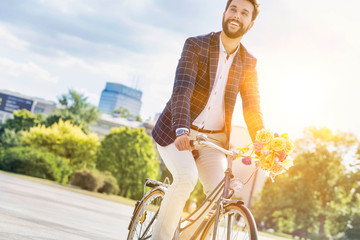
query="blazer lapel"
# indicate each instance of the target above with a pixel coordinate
(232, 86)
(214, 58)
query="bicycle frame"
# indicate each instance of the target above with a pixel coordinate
(224, 188)
(213, 199)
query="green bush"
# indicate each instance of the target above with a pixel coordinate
(10, 138)
(66, 140)
(88, 179)
(94, 180)
(110, 185)
(353, 231)
(35, 162)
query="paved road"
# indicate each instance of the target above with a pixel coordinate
(31, 210)
(35, 211)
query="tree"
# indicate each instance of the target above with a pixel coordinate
(22, 120)
(76, 109)
(125, 113)
(130, 156)
(65, 140)
(10, 138)
(314, 195)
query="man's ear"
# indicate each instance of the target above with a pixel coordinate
(251, 24)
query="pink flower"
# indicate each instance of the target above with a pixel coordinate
(257, 147)
(246, 160)
(282, 156)
(276, 135)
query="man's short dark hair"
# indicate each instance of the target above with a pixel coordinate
(253, 2)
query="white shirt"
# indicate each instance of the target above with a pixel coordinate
(213, 115)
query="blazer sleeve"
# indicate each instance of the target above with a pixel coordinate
(185, 77)
(249, 91)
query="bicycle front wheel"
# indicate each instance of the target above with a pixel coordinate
(145, 216)
(235, 222)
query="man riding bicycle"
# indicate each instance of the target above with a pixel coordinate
(212, 70)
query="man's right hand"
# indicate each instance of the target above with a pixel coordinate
(182, 143)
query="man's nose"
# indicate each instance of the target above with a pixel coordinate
(237, 16)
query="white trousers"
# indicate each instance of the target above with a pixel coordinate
(209, 168)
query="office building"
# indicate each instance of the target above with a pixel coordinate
(116, 95)
(12, 101)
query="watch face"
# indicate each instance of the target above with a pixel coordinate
(180, 131)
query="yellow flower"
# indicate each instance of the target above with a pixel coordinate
(264, 136)
(285, 135)
(289, 146)
(277, 169)
(267, 162)
(278, 144)
(287, 163)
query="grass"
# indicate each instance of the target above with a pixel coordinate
(275, 236)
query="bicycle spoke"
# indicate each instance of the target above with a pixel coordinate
(233, 225)
(150, 224)
(145, 217)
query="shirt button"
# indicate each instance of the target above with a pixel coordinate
(202, 122)
(208, 108)
(220, 77)
(214, 93)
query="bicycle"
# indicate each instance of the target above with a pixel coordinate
(227, 218)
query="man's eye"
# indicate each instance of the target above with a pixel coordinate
(245, 13)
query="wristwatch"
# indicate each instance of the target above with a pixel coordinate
(181, 131)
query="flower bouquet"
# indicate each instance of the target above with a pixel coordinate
(270, 152)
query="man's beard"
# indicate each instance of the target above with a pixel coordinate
(239, 33)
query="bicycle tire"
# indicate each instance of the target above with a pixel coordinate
(244, 226)
(145, 215)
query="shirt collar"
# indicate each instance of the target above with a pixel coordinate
(222, 48)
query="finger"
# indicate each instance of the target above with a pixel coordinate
(188, 146)
(184, 144)
(178, 145)
(181, 145)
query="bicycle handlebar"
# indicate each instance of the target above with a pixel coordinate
(201, 139)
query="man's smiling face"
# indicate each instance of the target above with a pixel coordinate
(237, 19)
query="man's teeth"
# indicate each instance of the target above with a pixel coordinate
(234, 23)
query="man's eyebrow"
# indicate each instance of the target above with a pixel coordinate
(235, 7)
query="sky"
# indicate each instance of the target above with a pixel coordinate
(308, 53)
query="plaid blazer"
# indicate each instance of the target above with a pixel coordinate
(194, 79)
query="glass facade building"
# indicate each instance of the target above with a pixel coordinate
(116, 95)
